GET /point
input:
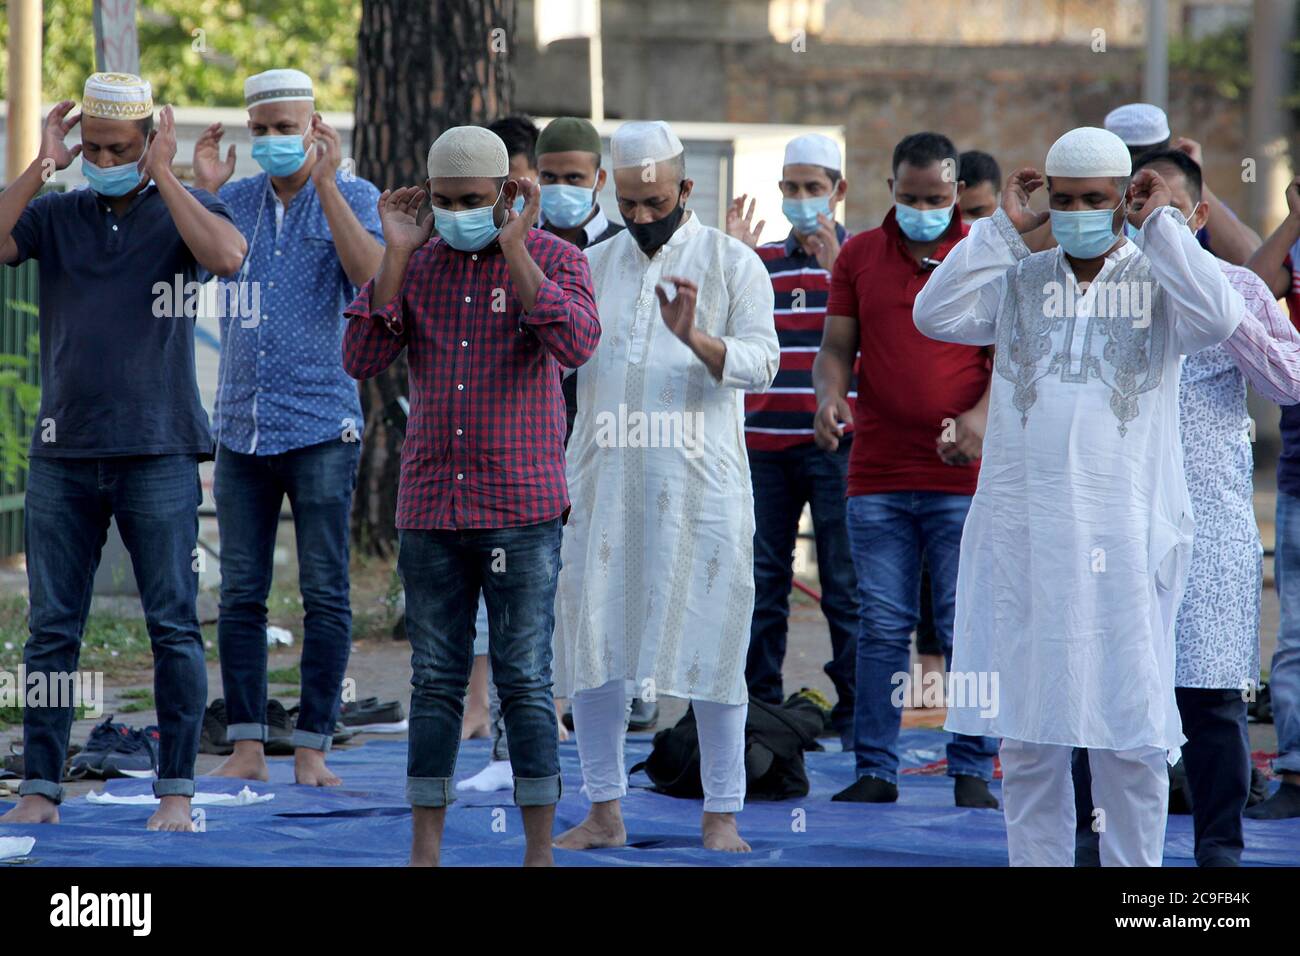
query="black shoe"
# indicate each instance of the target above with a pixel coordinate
(372, 716)
(104, 738)
(279, 730)
(1283, 805)
(212, 739)
(973, 792)
(644, 716)
(134, 756)
(567, 719)
(868, 790)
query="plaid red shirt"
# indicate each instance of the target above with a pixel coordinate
(484, 442)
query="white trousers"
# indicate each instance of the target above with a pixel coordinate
(600, 721)
(1130, 796)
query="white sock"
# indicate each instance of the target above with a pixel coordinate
(497, 775)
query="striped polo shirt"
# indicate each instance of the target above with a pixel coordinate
(782, 417)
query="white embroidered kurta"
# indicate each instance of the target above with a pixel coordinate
(657, 576)
(1075, 551)
(1217, 635)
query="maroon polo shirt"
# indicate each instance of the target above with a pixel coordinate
(907, 384)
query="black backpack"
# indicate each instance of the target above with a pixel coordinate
(775, 739)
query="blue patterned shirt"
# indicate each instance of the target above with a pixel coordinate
(281, 384)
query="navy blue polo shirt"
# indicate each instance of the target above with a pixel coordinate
(117, 327)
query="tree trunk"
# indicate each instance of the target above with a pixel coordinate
(422, 66)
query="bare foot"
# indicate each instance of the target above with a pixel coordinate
(32, 808)
(602, 828)
(470, 731)
(173, 815)
(720, 833)
(248, 762)
(309, 769)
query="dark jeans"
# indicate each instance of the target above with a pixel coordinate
(927, 638)
(890, 533)
(69, 503)
(443, 572)
(249, 490)
(784, 481)
(1216, 759)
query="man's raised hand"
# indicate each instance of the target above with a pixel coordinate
(57, 126)
(518, 223)
(161, 148)
(1015, 200)
(740, 223)
(327, 148)
(211, 172)
(1146, 193)
(399, 212)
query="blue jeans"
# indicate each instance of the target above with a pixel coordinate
(889, 534)
(249, 490)
(1284, 674)
(783, 482)
(443, 573)
(69, 503)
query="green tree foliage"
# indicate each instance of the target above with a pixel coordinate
(198, 52)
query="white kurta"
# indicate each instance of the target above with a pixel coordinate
(657, 576)
(1075, 551)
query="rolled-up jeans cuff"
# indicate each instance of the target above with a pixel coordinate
(1287, 763)
(41, 788)
(305, 738)
(429, 791)
(537, 791)
(173, 787)
(247, 732)
(723, 805)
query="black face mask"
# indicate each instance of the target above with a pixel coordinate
(651, 235)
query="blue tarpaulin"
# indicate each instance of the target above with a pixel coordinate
(367, 822)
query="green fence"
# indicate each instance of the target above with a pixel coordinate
(19, 376)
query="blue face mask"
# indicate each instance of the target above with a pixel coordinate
(111, 180)
(923, 225)
(566, 206)
(468, 230)
(279, 155)
(802, 213)
(1086, 234)
(519, 205)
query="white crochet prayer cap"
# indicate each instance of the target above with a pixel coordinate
(117, 96)
(276, 85)
(1138, 124)
(812, 149)
(643, 142)
(468, 151)
(1088, 151)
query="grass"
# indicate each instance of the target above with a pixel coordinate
(285, 675)
(136, 699)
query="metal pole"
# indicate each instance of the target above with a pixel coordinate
(596, 58)
(1155, 80)
(23, 124)
(1269, 127)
